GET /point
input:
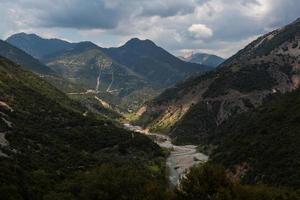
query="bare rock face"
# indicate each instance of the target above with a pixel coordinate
(192, 109)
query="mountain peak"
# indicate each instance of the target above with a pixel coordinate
(23, 35)
(135, 42)
(203, 58)
(37, 46)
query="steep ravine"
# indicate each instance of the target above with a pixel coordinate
(181, 158)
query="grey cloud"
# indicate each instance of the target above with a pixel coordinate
(168, 8)
(283, 12)
(165, 21)
(76, 14)
(97, 14)
(81, 15)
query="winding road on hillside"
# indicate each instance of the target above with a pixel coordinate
(181, 158)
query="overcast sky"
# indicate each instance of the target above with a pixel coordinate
(221, 27)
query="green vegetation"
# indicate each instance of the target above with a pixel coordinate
(212, 182)
(54, 152)
(145, 69)
(94, 106)
(266, 139)
(157, 66)
(287, 34)
(247, 79)
(199, 119)
(110, 182)
(239, 84)
(20, 57)
(118, 85)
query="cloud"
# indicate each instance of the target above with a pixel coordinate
(167, 8)
(75, 14)
(205, 25)
(200, 31)
(95, 14)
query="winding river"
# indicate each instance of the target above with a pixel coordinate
(180, 159)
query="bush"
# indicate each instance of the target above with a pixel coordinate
(210, 182)
(205, 182)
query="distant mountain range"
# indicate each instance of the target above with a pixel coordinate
(203, 59)
(132, 73)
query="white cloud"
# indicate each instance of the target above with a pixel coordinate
(200, 31)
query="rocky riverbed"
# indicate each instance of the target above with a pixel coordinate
(180, 159)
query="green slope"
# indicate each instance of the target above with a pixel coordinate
(49, 150)
(191, 110)
(156, 65)
(20, 57)
(86, 63)
(266, 139)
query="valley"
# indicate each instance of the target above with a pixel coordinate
(180, 159)
(80, 121)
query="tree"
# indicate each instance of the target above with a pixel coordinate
(205, 182)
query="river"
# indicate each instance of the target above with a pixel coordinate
(181, 158)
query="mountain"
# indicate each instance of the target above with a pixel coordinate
(86, 64)
(45, 72)
(262, 146)
(38, 47)
(57, 78)
(124, 77)
(20, 57)
(153, 63)
(191, 110)
(49, 146)
(203, 59)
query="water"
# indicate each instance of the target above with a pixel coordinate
(180, 159)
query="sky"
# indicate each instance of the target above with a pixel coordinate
(220, 27)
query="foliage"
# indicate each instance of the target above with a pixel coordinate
(287, 34)
(267, 139)
(53, 147)
(111, 182)
(239, 84)
(205, 182)
(20, 57)
(211, 182)
(247, 79)
(199, 119)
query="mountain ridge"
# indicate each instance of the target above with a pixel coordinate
(145, 70)
(22, 58)
(153, 62)
(37, 46)
(191, 110)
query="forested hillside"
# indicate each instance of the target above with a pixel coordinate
(50, 148)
